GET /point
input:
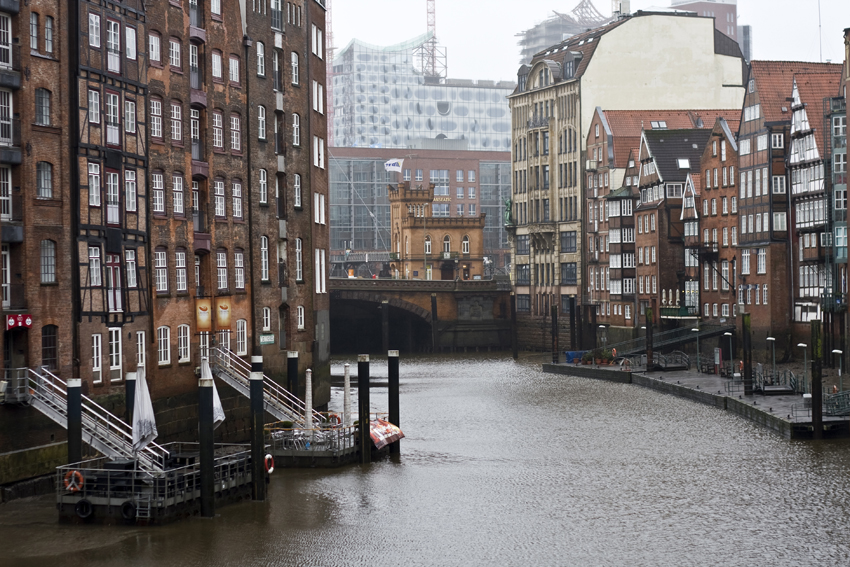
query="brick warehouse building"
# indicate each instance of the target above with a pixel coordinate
(183, 190)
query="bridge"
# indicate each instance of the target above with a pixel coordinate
(419, 315)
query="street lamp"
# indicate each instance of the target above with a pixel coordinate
(731, 363)
(805, 348)
(840, 377)
(772, 342)
(699, 369)
(604, 336)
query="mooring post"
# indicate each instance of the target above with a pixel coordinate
(207, 446)
(75, 420)
(748, 354)
(258, 477)
(346, 396)
(308, 402)
(649, 316)
(817, 381)
(292, 372)
(573, 335)
(514, 345)
(129, 396)
(363, 407)
(555, 354)
(434, 337)
(393, 402)
(385, 325)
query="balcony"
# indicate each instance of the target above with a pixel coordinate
(10, 66)
(198, 97)
(113, 133)
(196, 22)
(200, 166)
(394, 255)
(10, 140)
(278, 79)
(683, 312)
(201, 227)
(538, 122)
(11, 7)
(11, 207)
(449, 255)
(14, 297)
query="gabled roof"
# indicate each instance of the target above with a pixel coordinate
(625, 126)
(667, 147)
(814, 87)
(691, 186)
(774, 81)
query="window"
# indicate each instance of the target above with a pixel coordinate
(174, 58)
(267, 319)
(216, 65)
(261, 122)
(427, 245)
(160, 266)
(299, 274)
(130, 41)
(130, 263)
(264, 186)
(762, 261)
(156, 118)
(141, 347)
(42, 107)
(180, 270)
(319, 152)
(472, 209)
(241, 337)
(183, 343)
(234, 70)
(778, 184)
(460, 209)
(94, 30)
(163, 345)
(318, 42)
(235, 133)
(239, 268)
(215, 7)
(264, 258)
(94, 266)
(176, 122)
(237, 199)
(569, 273)
(94, 184)
(96, 357)
(464, 245)
(177, 193)
(220, 204)
(154, 46)
(130, 116)
(296, 183)
(777, 141)
(779, 222)
(470, 176)
(44, 175)
(261, 59)
(113, 120)
(115, 353)
(113, 198)
(221, 268)
(113, 46)
(447, 244)
(299, 315)
(294, 68)
(48, 262)
(318, 97)
(94, 107)
(523, 302)
(218, 129)
(296, 130)
(568, 241)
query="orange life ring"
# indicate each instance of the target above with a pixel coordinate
(614, 352)
(741, 365)
(269, 463)
(334, 418)
(74, 481)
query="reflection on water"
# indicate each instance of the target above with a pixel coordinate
(505, 465)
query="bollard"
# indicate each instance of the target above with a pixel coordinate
(385, 325)
(346, 397)
(363, 408)
(75, 420)
(514, 345)
(258, 477)
(817, 381)
(129, 396)
(392, 373)
(207, 446)
(292, 372)
(308, 402)
(748, 354)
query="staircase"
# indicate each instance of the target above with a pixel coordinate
(277, 401)
(102, 430)
(669, 338)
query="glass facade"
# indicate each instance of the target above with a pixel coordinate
(381, 100)
(359, 205)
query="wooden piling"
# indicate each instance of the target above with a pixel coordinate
(207, 446)
(555, 354)
(258, 473)
(514, 345)
(75, 420)
(129, 397)
(393, 395)
(292, 372)
(748, 354)
(817, 380)
(434, 332)
(363, 408)
(385, 325)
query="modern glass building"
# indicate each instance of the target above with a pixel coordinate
(382, 99)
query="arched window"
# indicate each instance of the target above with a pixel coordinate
(296, 130)
(261, 121)
(299, 313)
(48, 262)
(427, 244)
(163, 345)
(264, 258)
(447, 244)
(294, 68)
(261, 59)
(267, 318)
(49, 350)
(183, 349)
(42, 107)
(44, 179)
(465, 245)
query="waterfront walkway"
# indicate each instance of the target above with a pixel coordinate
(786, 414)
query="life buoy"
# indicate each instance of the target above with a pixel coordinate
(269, 463)
(128, 510)
(334, 418)
(83, 508)
(834, 389)
(741, 365)
(614, 352)
(73, 481)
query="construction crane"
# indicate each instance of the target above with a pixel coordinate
(432, 56)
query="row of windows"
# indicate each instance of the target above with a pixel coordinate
(162, 275)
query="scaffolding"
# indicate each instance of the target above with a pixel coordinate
(556, 28)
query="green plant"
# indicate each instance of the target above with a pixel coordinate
(587, 356)
(286, 424)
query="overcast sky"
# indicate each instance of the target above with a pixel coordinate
(479, 34)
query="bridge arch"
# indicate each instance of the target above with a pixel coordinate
(378, 298)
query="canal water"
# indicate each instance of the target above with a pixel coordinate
(506, 465)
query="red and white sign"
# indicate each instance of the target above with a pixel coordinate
(13, 321)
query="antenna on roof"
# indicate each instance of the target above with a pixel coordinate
(820, 34)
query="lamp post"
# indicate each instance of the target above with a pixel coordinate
(696, 330)
(731, 363)
(604, 337)
(805, 348)
(840, 377)
(772, 342)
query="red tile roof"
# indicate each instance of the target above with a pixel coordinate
(814, 87)
(774, 82)
(626, 125)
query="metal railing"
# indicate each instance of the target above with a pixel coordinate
(837, 404)
(102, 430)
(333, 439)
(669, 338)
(278, 401)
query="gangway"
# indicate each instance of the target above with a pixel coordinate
(673, 337)
(102, 430)
(277, 401)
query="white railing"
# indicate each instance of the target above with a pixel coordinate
(102, 430)
(279, 401)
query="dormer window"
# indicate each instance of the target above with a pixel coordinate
(684, 163)
(658, 124)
